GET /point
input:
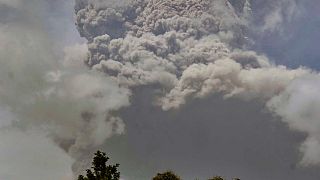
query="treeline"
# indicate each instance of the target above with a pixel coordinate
(101, 171)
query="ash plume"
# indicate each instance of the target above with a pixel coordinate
(66, 106)
(181, 50)
(195, 49)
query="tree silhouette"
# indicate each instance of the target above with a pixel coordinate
(221, 178)
(216, 178)
(169, 175)
(100, 170)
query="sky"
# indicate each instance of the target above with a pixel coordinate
(297, 46)
(128, 83)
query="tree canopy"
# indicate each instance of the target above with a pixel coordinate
(168, 175)
(216, 178)
(100, 170)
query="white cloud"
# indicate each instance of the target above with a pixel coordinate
(32, 156)
(298, 105)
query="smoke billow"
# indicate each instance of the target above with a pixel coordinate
(58, 100)
(298, 105)
(182, 50)
(198, 48)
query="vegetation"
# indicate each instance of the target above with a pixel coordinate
(169, 175)
(216, 178)
(100, 171)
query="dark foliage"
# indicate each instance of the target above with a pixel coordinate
(221, 178)
(216, 178)
(100, 170)
(169, 175)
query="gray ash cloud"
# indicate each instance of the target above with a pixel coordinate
(190, 49)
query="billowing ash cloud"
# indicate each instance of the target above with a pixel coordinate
(66, 101)
(182, 49)
(299, 104)
(57, 100)
(197, 48)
